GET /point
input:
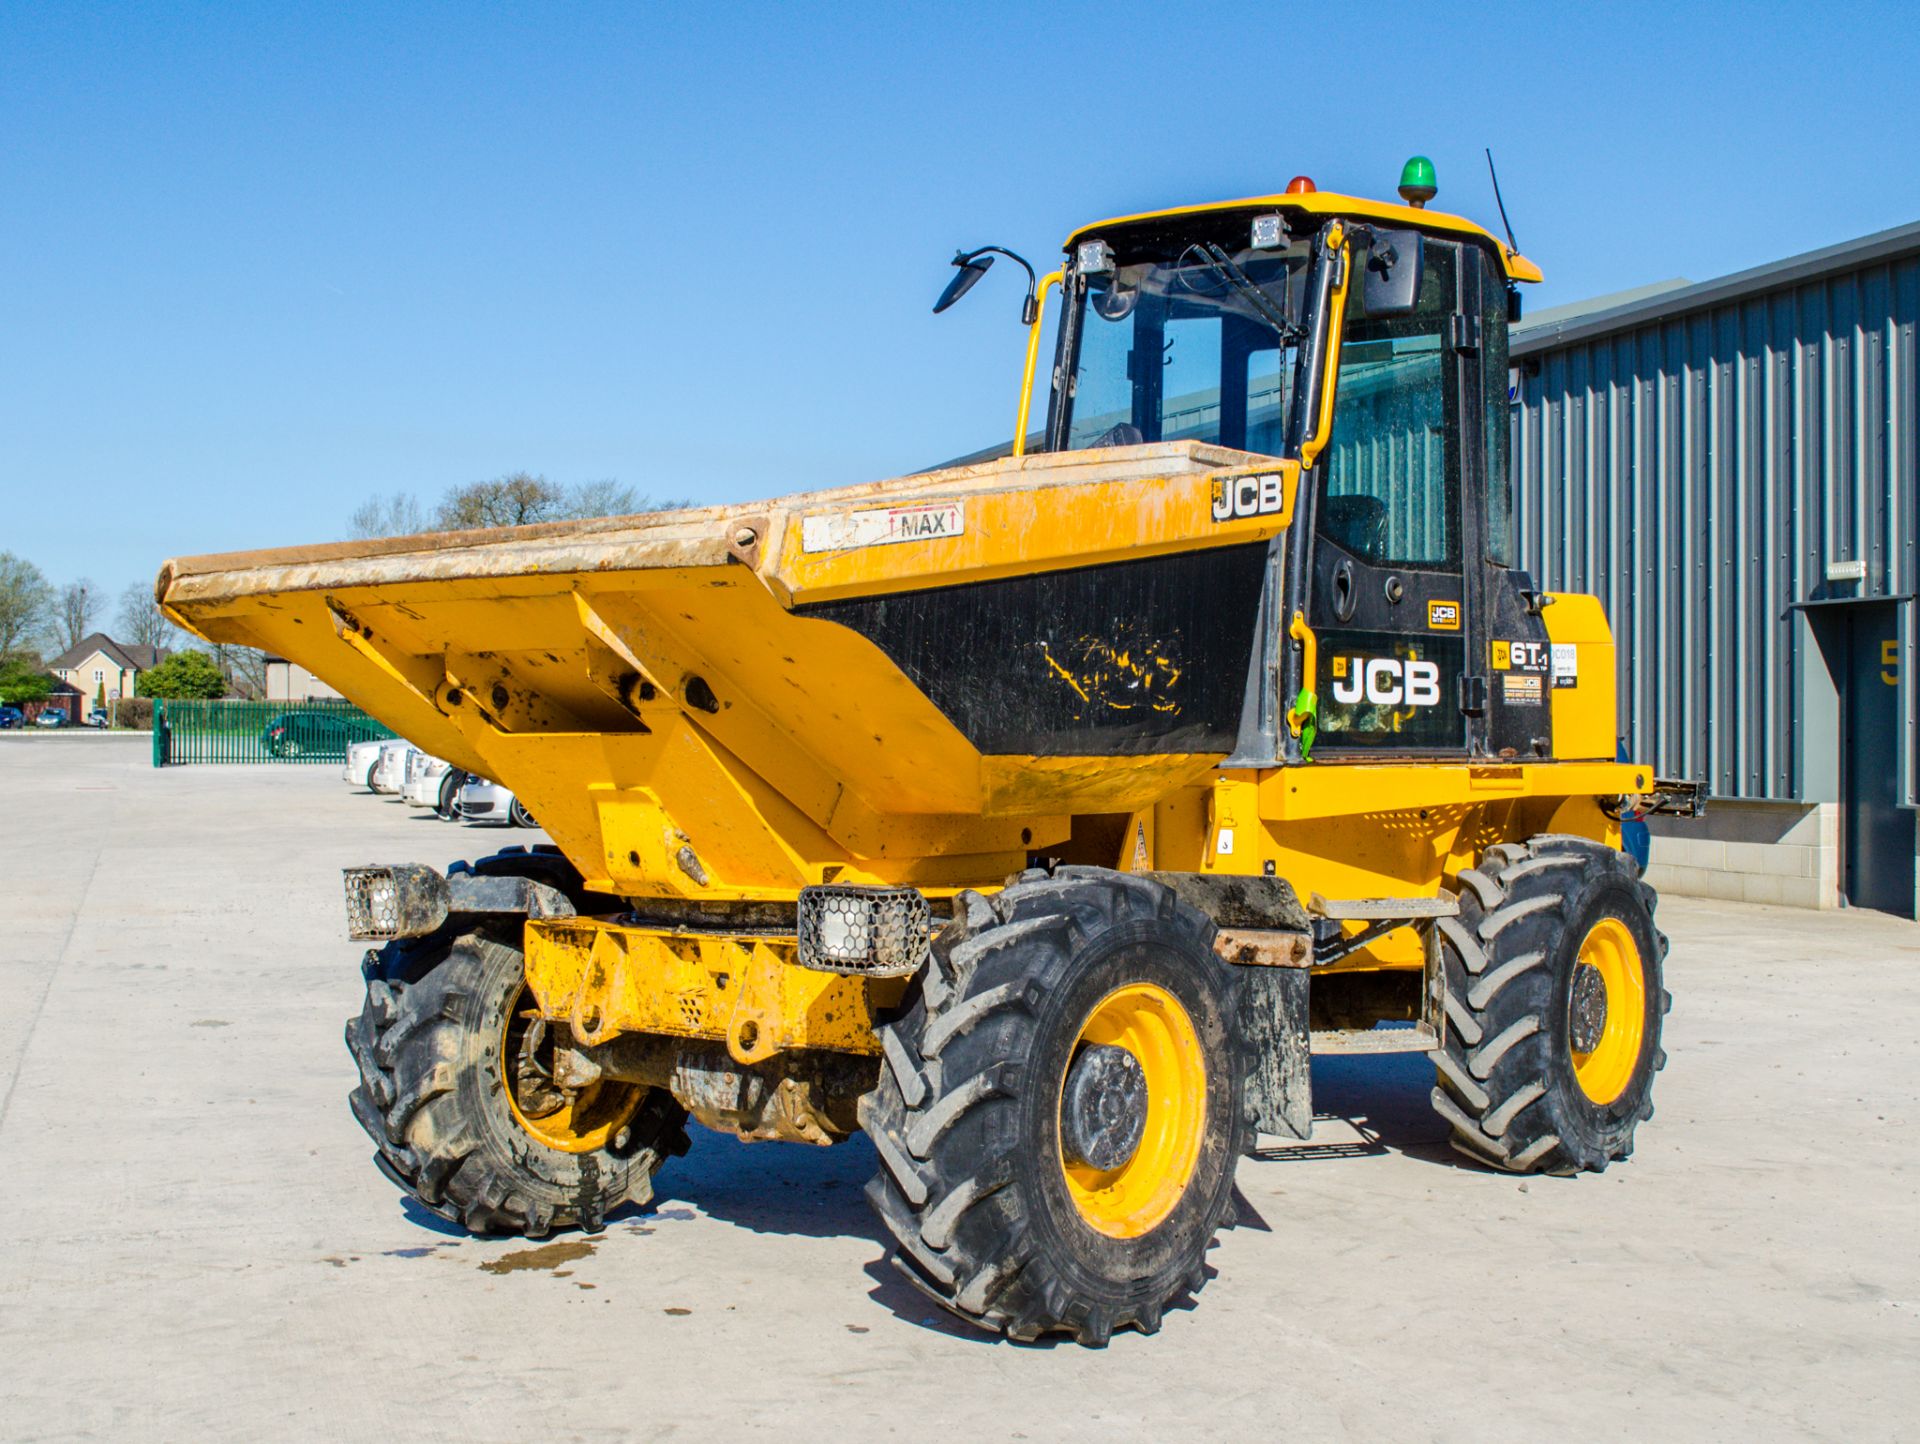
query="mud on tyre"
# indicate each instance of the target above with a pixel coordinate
(452, 1093)
(1553, 1001)
(1061, 1108)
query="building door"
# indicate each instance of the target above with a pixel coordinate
(1877, 833)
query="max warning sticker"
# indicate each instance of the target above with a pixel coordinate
(883, 526)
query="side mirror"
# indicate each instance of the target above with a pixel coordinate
(966, 275)
(1396, 262)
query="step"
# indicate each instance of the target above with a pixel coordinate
(1383, 909)
(1417, 1039)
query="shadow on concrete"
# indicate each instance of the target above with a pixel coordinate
(1383, 1101)
(788, 1188)
(894, 1293)
(420, 1216)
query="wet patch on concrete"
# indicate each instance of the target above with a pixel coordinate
(547, 1256)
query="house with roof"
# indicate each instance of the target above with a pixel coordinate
(100, 671)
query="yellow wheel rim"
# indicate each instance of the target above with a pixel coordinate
(577, 1122)
(1618, 979)
(1133, 1199)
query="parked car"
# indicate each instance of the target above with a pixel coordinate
(412, 772)
(11, 716)
(98, 718)
(319, 735)
(390, 769)
(489, 803)
(52, 717)
(426, 778)
(360, 759)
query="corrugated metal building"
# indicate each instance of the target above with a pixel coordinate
(1734, 469)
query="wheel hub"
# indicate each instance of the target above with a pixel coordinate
(533, 1087)
(1103, 1107)
(1587, 1011)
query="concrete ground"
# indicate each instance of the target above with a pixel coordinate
(195, 1246)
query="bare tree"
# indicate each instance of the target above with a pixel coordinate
(25, 599)
(140, 622)
(512, 500)
(395, 515)
(604, 498)
(73, 613)
(610, 498)
(245, 669)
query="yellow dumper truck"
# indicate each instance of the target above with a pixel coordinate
(1038, 817)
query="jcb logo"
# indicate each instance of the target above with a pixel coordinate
(1386, 681)
(1257, 494)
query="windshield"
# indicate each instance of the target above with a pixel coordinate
(1187, 350)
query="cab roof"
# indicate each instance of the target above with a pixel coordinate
(1329, 203)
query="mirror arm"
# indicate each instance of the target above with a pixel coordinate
(1030, 309)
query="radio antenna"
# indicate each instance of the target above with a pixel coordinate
(1494, 176)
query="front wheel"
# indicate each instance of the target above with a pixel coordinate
(457, 1091)
(1062, 1108)
(1554, 1000)
(518, 816)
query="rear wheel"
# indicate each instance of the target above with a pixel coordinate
(457, 1091)
(1061, 1109)
(1554, 1003)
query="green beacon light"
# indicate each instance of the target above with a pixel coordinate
(1417, 184)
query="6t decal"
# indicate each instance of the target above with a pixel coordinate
(1386, 681)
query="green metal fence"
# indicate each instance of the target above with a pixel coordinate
(188, 732)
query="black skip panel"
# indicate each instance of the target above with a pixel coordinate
(1113, 660)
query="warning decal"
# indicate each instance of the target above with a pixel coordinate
(841, 531)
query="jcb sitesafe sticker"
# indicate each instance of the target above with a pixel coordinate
(1253, 493)
(1443, 616)
(1520, 656)
(1386, 681)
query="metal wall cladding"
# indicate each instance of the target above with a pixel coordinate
(1698, 468)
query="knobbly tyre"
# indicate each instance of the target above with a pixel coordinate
(1038, 816)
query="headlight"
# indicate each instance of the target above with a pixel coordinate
(874, 931)
(406, 900)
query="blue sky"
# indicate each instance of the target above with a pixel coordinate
(263, 261)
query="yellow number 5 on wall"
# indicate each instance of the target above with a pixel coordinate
(1890, 661)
